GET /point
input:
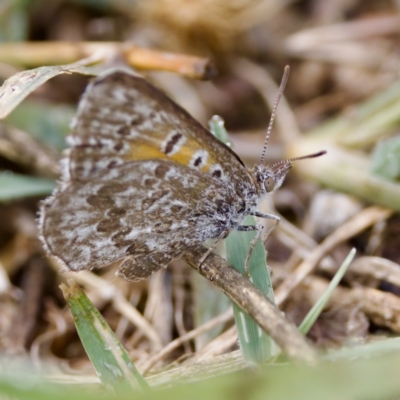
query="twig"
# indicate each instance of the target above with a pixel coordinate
(382, 308)
(217, 346)
(184, 338)
(190, 66)
(54, 53)
(360, 222)
(241, 291)
(20, 147)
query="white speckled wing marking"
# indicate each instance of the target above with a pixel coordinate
(145, 213)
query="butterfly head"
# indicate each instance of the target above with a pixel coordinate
(269, 178)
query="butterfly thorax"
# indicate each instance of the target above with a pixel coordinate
(263, 180)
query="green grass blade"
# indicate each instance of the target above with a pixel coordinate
(386, 159)
(218, 129)
(110, 360)
(316, 310)
(209, 302)
(15, 186)
(255, 344)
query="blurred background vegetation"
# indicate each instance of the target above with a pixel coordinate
(343, 96)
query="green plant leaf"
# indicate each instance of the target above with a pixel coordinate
(15, 186)
(256, 345)
(110, 360)
(386, 159)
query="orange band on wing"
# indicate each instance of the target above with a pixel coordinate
(147, 151)
(144, 151)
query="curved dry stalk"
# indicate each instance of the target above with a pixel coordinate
(382, 308)
(355, 225)
(20, 147)
(301, 245)
(60, 328)
(374, 267)
(53, 53)
(122, 305)
(219, 365)
(226, 316)
(308, 39)
(267, 87)
(216, 347)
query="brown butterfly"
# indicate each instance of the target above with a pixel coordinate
(143, 182)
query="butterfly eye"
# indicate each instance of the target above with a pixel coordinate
(242, 207)
(269, 184)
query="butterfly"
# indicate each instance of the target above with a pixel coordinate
(143, 182)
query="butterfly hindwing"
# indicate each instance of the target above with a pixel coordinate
(145, 213)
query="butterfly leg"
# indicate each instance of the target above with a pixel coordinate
(247, 228)
(224, 234)
(259, 228)
(267, 216)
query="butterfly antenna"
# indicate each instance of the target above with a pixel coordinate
(290, 160)
(274, 108)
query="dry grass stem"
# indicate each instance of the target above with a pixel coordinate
(262, 81)
(182, 339)
(382, 308)
(355, 225)
(128, 311)
(20, 147)
(378, 268)
(217, 346)
(354, 30)
(219, 365)
(254, 303)
(52, 53)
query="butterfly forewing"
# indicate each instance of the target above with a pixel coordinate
(123, 118)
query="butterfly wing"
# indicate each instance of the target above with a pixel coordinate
(123, 118)
(145, 213)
